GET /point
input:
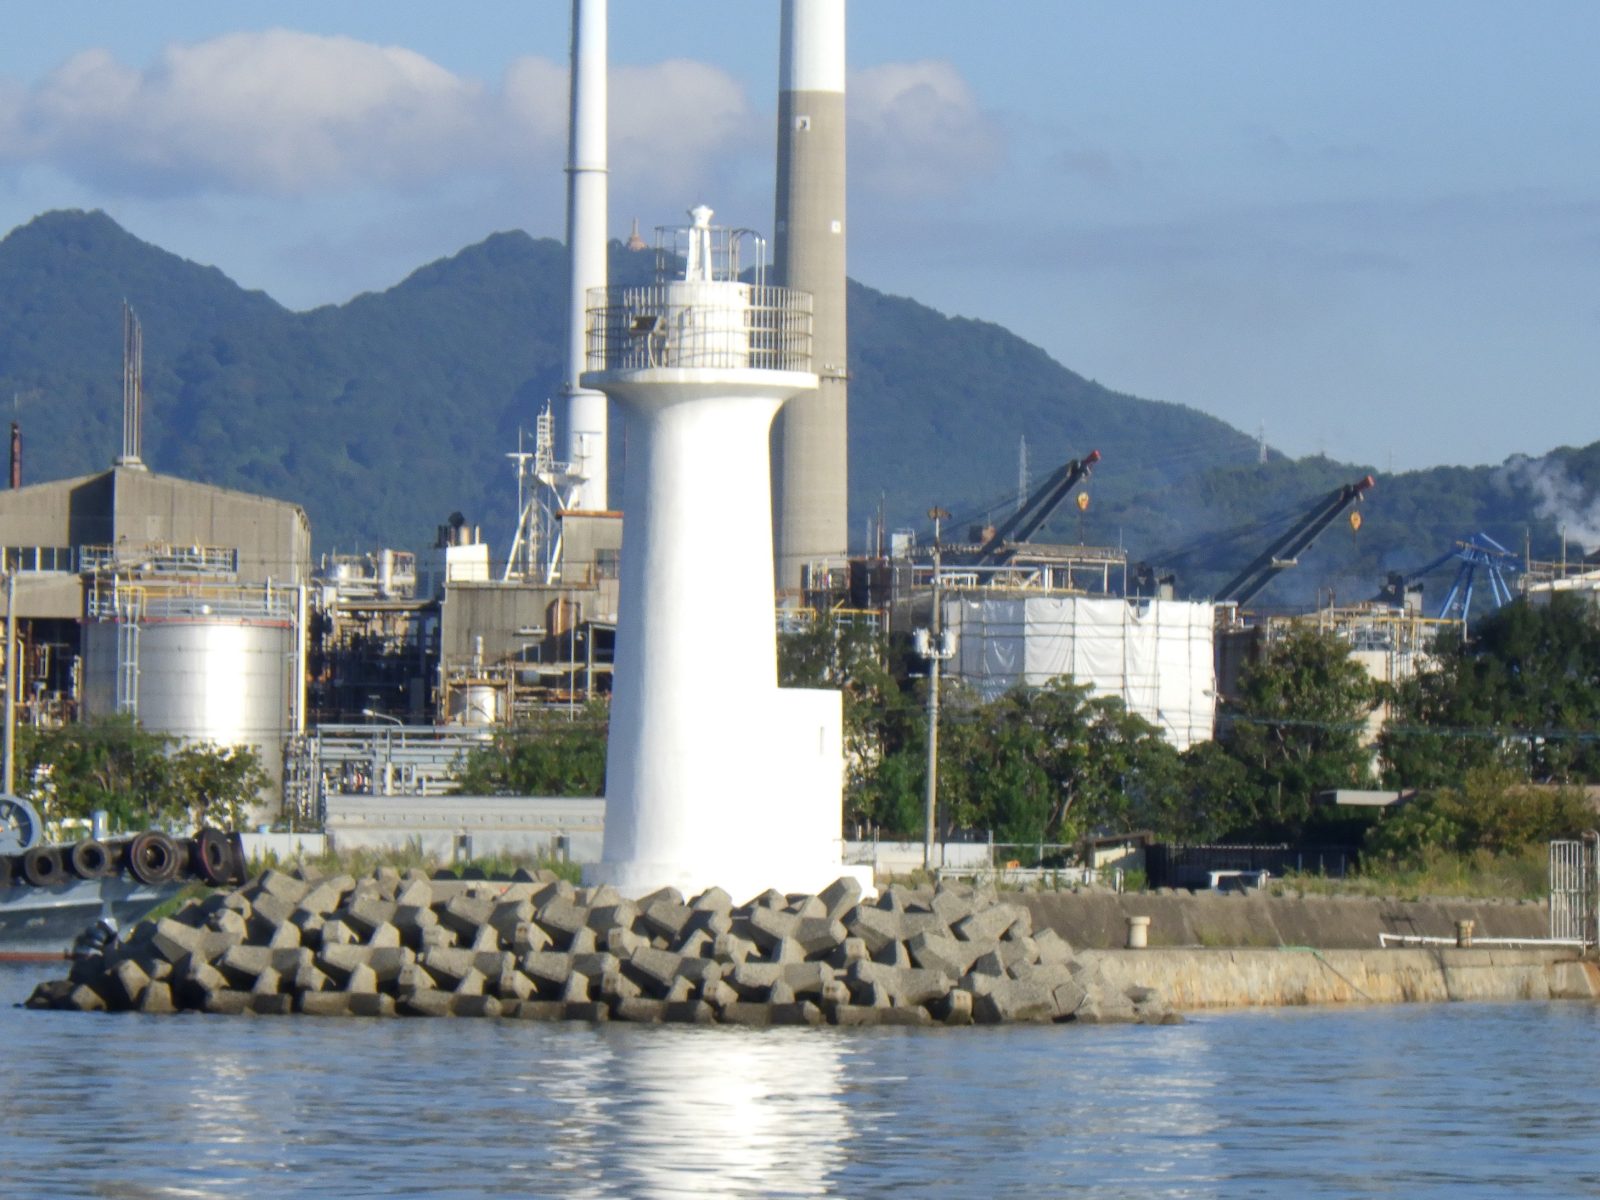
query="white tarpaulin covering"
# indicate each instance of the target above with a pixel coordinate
(1155, 654)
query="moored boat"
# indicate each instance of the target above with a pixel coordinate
(43, 922)
(51, 895)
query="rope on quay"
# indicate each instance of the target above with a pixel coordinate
(1317, 954)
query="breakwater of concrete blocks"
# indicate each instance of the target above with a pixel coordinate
(538, 948)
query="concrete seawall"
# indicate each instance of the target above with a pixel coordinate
(1099, 920)
(1194, 979)
(1211, 951)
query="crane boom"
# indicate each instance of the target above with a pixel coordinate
(1285, 552)
(1026, 521)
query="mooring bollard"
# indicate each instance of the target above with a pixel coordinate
(1138, 933)
(1464, 934)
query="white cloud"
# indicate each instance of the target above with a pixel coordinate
(278, 112)
(283, 113)
(916, 129)
(677, 125)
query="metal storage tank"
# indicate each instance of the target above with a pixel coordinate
(205, 665)
(477, 703)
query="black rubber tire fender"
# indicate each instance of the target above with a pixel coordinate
(241, 860)
(91, 859)
(8, 870)
(153, 858)
(213, 857)
(42, 866)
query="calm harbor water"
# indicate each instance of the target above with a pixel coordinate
(1443, 1100)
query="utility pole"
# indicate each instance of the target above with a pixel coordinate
(933, 645)
(11, 683)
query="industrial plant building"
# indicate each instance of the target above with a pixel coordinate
(178, 603)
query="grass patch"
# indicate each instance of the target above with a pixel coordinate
(190, 891)
(363, 862)
(1438, 874)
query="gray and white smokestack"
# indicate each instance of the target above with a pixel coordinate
(584, 441)
(810, 452)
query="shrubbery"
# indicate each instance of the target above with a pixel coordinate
(138, 777)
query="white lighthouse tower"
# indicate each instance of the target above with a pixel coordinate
(714, 775)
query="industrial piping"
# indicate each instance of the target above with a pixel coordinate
(810, 446)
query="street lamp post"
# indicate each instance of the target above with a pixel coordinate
(935, 648)
(387, 770)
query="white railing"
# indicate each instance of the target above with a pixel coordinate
(160, 559)
(719, 326)
(136, 602)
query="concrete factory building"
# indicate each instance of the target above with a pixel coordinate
(178, 602)
(93, 521)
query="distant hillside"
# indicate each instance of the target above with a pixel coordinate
(383, 415)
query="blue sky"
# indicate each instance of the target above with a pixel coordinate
(1372, 228)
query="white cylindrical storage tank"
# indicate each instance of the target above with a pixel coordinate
(477, 704)
(201, 669)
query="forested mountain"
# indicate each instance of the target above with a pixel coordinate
(383, 415)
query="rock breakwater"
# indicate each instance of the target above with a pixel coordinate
(539, 948)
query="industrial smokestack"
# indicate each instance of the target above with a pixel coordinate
(584, 446)
(132, 390)
(16, 455)
(810, 450)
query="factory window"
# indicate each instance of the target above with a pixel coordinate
(607, 564)
(38, 558)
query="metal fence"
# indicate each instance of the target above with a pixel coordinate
(1004, 875)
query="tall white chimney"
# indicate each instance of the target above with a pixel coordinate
(584, 436)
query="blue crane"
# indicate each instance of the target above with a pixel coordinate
(1473, 552)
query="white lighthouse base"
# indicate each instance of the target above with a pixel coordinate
(777, 822)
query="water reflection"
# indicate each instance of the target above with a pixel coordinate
(726, 1112)
(1431, 1100)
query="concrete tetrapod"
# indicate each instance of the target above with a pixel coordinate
(538, 948)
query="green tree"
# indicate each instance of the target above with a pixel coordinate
(138, 777)
(1296, 727)
(1215, 796)
(884, 731)
(1052, 764)
(1523, 694)
(552, 755)
(1495, 810)
(214, 785)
